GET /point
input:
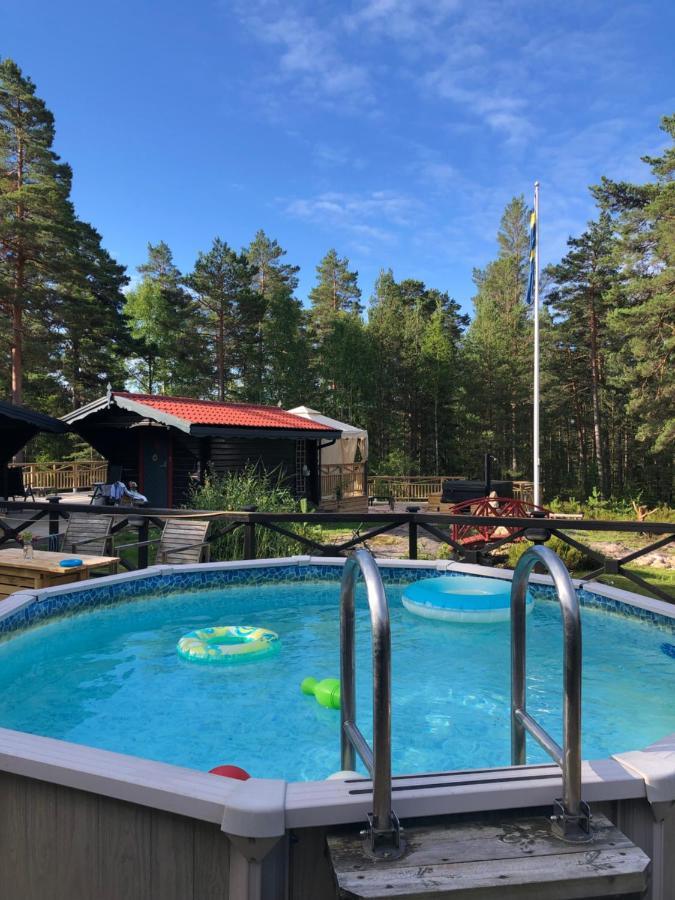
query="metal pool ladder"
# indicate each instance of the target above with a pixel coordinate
(384, 831)
(572, 817)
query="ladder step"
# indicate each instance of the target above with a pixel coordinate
(509, 857)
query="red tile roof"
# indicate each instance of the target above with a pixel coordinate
(210, 412)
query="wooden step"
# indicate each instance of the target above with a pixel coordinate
(492, 858)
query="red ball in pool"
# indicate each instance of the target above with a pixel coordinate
(230, 772)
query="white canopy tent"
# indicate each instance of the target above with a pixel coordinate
(351, 447)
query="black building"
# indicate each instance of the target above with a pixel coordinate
(165, 443)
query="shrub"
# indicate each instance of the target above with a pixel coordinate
(574, 559)
(561, 505)
(251, 487)
(445, 551)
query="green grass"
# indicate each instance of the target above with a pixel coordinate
(660, 578)
(130, 554)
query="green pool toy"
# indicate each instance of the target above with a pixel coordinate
(327, 692)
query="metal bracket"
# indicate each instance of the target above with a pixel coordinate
(384, 843)
(573, 829)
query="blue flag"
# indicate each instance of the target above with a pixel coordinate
(533, 244)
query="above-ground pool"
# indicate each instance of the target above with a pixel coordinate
(109, 676)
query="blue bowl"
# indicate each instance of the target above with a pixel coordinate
(70, 563)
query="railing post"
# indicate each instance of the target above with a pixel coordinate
(412, 539)
(143, 532)
(249, 541)
(53, 500)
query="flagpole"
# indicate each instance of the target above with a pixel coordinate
(535, 417)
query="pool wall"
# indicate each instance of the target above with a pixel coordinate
(81, 822)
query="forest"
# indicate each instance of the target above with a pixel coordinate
(435, 388)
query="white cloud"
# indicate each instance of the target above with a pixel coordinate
(391, 206)
(332, 156)
(402, 19)
(310, 58)
(373, 216)
(438, 174)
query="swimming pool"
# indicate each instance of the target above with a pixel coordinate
(108, 676)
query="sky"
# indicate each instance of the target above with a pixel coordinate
(394, 131)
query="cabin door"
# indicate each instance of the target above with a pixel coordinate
(156, 467)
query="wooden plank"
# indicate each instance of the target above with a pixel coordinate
(211, 862)
(513, 859)
(592, 874)
(310, 875)
(41, 852)
(124, 851)
(13, 836)
(475, 842)
(76, 831)
(172, 857)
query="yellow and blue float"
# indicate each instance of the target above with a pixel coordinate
(227, 644)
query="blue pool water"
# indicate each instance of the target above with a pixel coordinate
(110, 677)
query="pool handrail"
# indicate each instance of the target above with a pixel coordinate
(384, 832)
(572, 817)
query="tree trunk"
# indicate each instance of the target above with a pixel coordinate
(221, 356)
(17, 339)
(595, 396)
(17, 344)
(19, 277)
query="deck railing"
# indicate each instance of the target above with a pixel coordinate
(422, 487)
(407, 487)
(348, 480)
(62, 476)
(16, 517)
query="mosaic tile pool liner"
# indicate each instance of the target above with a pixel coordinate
(162, 585)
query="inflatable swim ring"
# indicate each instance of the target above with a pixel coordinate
(227, 644)
(462, 598)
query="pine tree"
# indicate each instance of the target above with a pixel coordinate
(36, 216)
(265, 255)
(282, 339)
(645, 324)
(582, 291)
(336, 291)
(221, 282)
(168, 329)
(497, 350)
(93, 342)
(413, 332)
(336, 333)
(287, 377)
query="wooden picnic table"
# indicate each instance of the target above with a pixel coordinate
(43, 570)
